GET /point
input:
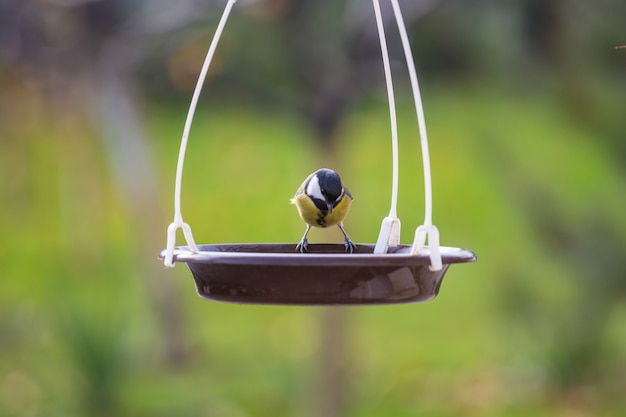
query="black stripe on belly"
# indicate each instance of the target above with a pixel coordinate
(322, 211)
(321, 218)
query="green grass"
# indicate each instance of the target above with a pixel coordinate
(74, 310)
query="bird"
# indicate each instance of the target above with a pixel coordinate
(323, 201)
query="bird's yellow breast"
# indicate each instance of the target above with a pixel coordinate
(321, 218)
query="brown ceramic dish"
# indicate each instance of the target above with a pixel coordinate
(275, 274)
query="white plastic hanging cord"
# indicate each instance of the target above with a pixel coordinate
(178, 218)
(390, 229)
(427, 229)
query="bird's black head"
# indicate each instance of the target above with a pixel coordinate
(330, 184)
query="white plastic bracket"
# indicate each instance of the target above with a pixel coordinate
(171, 241)
(389, 235)
(432, 233)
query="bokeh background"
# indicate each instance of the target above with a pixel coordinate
(525, 106)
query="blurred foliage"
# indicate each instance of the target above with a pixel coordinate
(524, 105)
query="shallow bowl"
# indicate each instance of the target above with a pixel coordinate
(273, 273)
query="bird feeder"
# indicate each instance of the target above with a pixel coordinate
(386, 272)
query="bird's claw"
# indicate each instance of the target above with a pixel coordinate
(350, 246)
(303, 246)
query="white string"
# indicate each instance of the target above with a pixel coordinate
(390, 229)
(427, 229)
(178, 218)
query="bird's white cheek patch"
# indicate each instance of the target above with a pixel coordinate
(313, 189)
(340, 196)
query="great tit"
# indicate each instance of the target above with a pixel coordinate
(323, 201)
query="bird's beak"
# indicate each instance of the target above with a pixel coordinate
(330, 207)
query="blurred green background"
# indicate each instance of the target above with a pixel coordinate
(524, 105)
